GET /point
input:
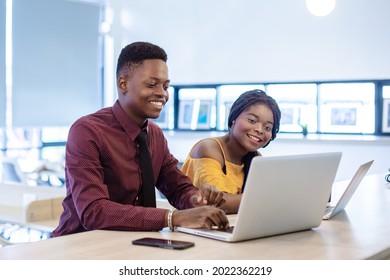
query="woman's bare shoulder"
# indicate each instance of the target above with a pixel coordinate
(207, 148)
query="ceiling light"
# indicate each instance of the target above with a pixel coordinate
(320, 8)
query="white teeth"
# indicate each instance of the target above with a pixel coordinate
(157, 103)
(254, 138)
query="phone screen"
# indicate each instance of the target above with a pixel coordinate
(163, 243)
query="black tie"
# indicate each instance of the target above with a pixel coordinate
(148, 192)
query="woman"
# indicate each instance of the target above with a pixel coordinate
(224, 161)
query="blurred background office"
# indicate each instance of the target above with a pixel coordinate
(329, 72)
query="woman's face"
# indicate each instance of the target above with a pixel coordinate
(253, 127)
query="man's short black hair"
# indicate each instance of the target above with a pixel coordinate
(135, 53)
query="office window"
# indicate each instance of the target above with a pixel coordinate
(197, 108)
(386, 109)
(53, 143)
(347, 107)
(386, 92)
(298, 105)
(227, 94)
(21, 142)
(53, 154)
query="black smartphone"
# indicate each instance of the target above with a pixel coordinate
(163, 243)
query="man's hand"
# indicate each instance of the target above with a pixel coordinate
(200, 217)
(208, 195)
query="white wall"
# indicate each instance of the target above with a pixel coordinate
(230, 41)
(356, 149)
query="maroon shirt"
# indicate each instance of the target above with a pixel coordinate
(103, 177)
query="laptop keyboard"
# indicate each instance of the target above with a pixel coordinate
(228, 229)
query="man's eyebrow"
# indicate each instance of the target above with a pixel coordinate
(158, 79)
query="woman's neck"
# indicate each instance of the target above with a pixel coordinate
(233, 150)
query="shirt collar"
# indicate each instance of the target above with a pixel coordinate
(128, 124)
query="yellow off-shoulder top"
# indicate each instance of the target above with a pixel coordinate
(209, 171)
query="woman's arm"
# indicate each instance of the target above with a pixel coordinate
(205, 166)
(232, 203)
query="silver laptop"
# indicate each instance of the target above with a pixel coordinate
(332, 211)
(282, 194)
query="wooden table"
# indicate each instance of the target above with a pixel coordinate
(360, 232)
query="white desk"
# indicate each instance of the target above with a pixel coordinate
(31, 206)
(361, 232)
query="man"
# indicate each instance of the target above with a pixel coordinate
(103, 175)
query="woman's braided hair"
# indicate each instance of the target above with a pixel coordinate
(245, 100)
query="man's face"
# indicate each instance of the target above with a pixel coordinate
(144, 93)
